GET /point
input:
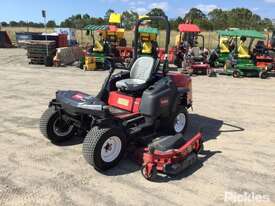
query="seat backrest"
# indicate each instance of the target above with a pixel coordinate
(243, 51)
(224, 45)
(98, 47)
(196, 51)
(142, 68)
(147, 48)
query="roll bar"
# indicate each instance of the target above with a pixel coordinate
(203, 41)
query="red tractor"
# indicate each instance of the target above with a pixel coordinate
(188, 55)
(262, 55)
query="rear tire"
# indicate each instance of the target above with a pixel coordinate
(236, 74)
(263, 74)
(48, 61)
(104, 148)
(54, 128)
(178, 121)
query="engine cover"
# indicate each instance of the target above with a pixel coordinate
(159, 98)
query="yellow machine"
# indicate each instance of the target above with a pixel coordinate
(90, 63)
(115, 18)
(115, 33)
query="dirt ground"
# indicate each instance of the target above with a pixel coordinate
(237, 115)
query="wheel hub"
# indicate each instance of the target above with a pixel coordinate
(180, 122)
(111, 149)
(108, 147)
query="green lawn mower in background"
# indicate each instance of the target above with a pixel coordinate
(218, 56)
(148, 45)
(241, 62)
(105, 40)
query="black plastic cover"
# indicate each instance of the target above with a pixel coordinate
(166, 143)
(158, 99)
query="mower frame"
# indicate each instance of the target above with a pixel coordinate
(114, 116)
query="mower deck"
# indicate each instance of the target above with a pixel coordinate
(169, 155)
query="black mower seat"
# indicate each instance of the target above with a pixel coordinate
(167, 143)
(140, 74)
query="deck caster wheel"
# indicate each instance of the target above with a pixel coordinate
(201, 150)
(149, 175)
(55, 128)
(103, 148)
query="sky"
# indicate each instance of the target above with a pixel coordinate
(58, 10)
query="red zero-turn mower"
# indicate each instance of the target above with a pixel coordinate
(188, 54)
(131, 107)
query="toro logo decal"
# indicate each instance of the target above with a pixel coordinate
(79, 97)
(164, 101)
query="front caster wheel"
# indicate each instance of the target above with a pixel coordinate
(103, 148)
(56, 128)
(149, 175)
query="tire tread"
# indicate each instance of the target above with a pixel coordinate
(89, 147)
(46, 116)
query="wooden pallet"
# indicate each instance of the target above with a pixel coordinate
(40, 49)
(41, 42)
(35, 54)
(37, 51)
(39, 62)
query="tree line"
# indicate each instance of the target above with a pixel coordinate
(214, 20)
